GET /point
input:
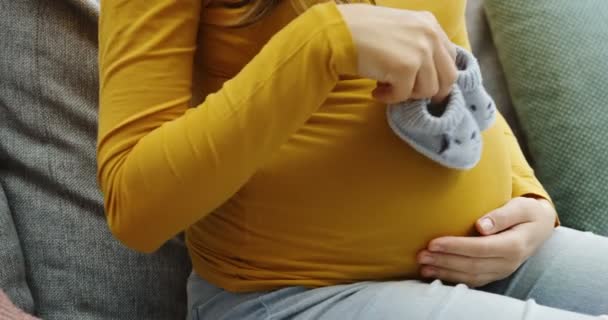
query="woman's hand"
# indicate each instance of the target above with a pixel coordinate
(407, 52)
(510, 235)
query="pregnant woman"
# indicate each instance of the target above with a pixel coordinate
(297, 199)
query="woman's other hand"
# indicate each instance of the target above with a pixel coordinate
(407, 52)
(510, 235)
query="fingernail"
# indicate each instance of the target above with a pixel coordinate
(486, 224)
(429, 273)
(426, 259)
(436, 247)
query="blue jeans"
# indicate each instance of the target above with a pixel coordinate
(566, 279)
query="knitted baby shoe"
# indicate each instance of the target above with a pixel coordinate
(451, 139)
(470, 82)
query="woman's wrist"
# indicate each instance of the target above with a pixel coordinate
(547, 207)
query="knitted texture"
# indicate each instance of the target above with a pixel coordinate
(469, 73)
(554, 55)
(415, 116)
(470, 82)
(453, 137)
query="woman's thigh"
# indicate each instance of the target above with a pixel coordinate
(369, 300)
(569, 272)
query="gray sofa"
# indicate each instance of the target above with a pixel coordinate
(57, 257)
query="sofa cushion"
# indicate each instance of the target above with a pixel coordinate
(48, 106)
(554, 53)
(12, 275)
(485, 51)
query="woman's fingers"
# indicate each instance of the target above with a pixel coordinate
(382, 91)
(505, 244)
(462, 263)
(400, 47)
(473, 280)
(449, 46)
(515, 212)
(446, 74)
(427, 80)
(394, 91)
(526, 223)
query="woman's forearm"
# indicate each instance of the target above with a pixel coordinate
(162, 167)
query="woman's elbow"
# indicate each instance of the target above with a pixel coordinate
(125, 227)
(128, 231)
(135, 216)
(124, 217)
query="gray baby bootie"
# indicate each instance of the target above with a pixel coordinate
(451, 138)
(469, 80)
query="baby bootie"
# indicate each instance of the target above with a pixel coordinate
(451, 138)
(470, 82)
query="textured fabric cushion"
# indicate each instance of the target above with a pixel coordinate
(555, 56)
(12, 275)
(48, 104)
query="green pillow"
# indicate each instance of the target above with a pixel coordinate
(555, 56)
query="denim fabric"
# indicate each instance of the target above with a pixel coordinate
(48, 125)
(570, 272)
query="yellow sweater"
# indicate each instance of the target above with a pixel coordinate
(287, 173)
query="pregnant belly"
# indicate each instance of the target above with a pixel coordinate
(346, 200)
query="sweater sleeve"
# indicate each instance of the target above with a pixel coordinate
(525, 183)
(163, 166)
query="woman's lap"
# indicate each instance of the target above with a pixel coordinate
(569, 272)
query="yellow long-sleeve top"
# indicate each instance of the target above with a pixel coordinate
(287, 173)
